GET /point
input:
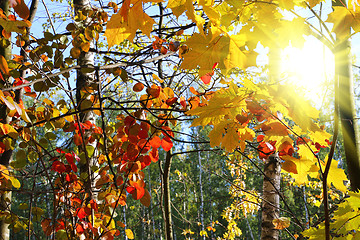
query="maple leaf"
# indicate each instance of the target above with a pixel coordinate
(313, 3)
(303, 167)
(122, 27)
(343, 18)
(337, 176)
(228, 51)
(180, 6)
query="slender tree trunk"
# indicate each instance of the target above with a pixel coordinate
(151, 213)
(271, 199)
(6, 156)
(272, 169)
(347, 113)
(83, 82)
(166, 198)
(124, 213)
(201, 196)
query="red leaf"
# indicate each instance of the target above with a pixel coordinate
(168, 131)
(147, 160)
(81, 213)
(166, 144)
(2, 147)
(171, 101)
(69, 158)
(163, 50)
(266, 148)
(207, 78)
(130, 189)
(77, 139)
(144, 145)
(132, 151)
(59, 225)
(286, 149)
(94, 205)
(128, 121)
(79, 228)
(183, 102)
(46, 226)
(143, 134)
(58, 167)
(154, 91)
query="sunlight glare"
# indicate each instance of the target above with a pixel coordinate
(310, 69)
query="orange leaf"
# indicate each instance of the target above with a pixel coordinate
(154, 91)
(289, 166)
(124, 10)
(77, 139)
(155, 142)
(281, 223)
(138, 87)
(166, 144)
(45, 225)
(3, 65)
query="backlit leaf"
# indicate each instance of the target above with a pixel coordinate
(129, 234)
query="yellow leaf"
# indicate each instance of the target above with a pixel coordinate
(203, 233)
(4, 172)
(118, 29)
(281, 223)
(129, 234)
(306, 153)
(231, 139)
(15, 182)
(337, 176)
(9, 130)
(226, 51)
(313, 3)
(343, 18)
(14, 26)
(303, 167)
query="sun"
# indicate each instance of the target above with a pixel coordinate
(310, 69)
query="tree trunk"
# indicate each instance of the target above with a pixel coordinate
(272, 169)
(346, 107)
(83, 82)
(6, 156)
(167, 200)
(201, 196)
(271, 199)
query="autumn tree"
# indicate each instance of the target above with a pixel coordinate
(111, 89)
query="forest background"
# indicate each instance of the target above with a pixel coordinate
(150, 119)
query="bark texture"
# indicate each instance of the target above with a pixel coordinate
(85, 80)
(271, 199)
(6, 156)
